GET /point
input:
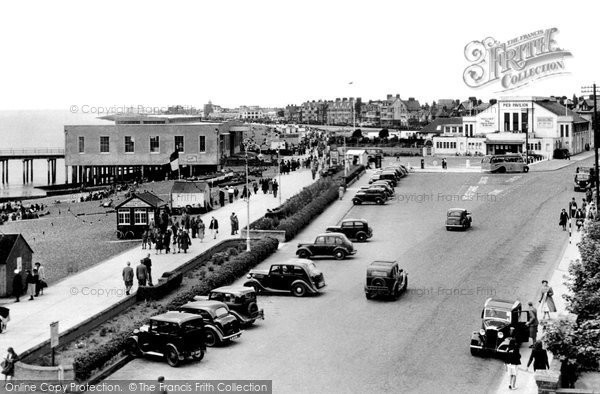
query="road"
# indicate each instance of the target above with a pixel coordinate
(339, 342)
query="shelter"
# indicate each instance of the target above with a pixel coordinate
(357, 157)
(15, 253)
(137, 213)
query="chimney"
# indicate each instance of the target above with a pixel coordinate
(389, 96)
(398, 96)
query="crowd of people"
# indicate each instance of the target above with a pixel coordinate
(19, 211)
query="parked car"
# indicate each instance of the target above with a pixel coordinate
(172, 335)
(241, 301)
(328, 244)
(379, 188)
(501, 321)
(220, 325)
(353, 229)
(296, 277)
(386, 186)
(583, 179)
(458, 218)
(387, 174)
(385, 278)
(376, 196)
(399, 173)
(388, 177)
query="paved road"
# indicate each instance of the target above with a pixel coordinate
(339, 342)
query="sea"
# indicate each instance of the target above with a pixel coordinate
(30, 129)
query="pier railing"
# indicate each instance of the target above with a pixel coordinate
(41, 152)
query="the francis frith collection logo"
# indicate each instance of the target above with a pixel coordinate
(514, 63)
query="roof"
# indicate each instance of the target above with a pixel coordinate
(383, 262)
(356, 152)
(500, 303)
(7, 242)
(190, 187)
(448, 103)
(147, 197)
(505, 138)
(210, 305)
(456, 209)
(354, 220)
(412, 105)
(561, 110)
(436, 125)
(175, 317)
(381, 265)
(233, 289)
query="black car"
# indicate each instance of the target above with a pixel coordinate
(386, 189)
(370, 195)
(385, 278)
(583, 179)
(501, 321)
(458, 218)
(390, 177)
(296, 277)
(172, 335)
(241, 301)
(353, 229)
(329, 244)
(220, 326)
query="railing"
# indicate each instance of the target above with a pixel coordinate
(32, 152)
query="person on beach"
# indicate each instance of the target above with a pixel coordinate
(201, 228)
(128, 277)
(17, 285)
(546, 299)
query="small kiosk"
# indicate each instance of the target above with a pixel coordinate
(137, 213)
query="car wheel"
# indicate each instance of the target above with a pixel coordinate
(340, 255)
(368, 295)
(200, 356)
(526, 169)
(448, 228)
(502, 170)
(303, 254)
(361, 237)
(379, 282)
(210, 338)
(132, 348)
(252, 309)
(475, 352)
(172, 355)
(356, 201)
(379, 201)
(299, 290)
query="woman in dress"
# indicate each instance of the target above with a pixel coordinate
(546, 300)
(159, 242)
(201, 228)
(8, 364)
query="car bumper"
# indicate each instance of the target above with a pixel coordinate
(233, 336)
(352, 252)
(455, 225)
(377, 290)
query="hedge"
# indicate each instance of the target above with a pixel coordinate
(173, 281)
(236, 266)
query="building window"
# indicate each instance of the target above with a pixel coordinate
(202, 144)
(506, 121)
(179, 143)
(104, 144)
(525, 121)
(124, 217)
(140, 216)
(129, 144)
(81, 144)
(562, 131)
(154, 145)
(515, 117)
(566, 130)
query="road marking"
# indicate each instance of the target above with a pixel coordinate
(514, 178)
(483, 180)
(470, 193)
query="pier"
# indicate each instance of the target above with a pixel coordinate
(28, 155)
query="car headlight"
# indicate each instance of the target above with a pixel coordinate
(500, 335)
(249, 276)
(482, 332)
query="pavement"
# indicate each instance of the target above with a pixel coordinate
(525, 377)
(80, 296)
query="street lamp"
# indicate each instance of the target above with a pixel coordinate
(247, 143)
(589, 89)
(218, 146)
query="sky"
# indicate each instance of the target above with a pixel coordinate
(95, 55)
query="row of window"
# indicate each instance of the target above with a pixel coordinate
(564, 130)
(129, 143)
(515, 121)
(445, 145)
(140, 216)
(534, 146)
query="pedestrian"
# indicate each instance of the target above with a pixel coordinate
(265, 186)
(41, 285)
(193, 227)
(167, 241)
(568, 373)
(234, 223)
(236, 193)
(588, 195)
(184, 241)
(275, 188)
(579, 217)
(341, 192)
(159, 242)
(141, 273)
(564, 218)
(546, 299)
(230, 192)
(572, 208)
(221, 197)
(591, 211)
(255, 187)
(539, 356)
(201, 228)
(532, 323)
(148, 263)
(583, 205)
(513, 360)
(245, 192)
(30, 281)
(270, 186)
(8, 364)
(214, 227)
(4, 318)
(145, 238)
(128, 277)
(17, 285)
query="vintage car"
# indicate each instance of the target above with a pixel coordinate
(385, 278)
(357, 229)
(172, 335)
(376, 195)
(220, 325)
(391, 179)
(399, 173)
(241, 301)
(501, 321)
(386, 186)
(296, 277)
(458, 218)
(328, 244)
(378, 187)
(583, 179)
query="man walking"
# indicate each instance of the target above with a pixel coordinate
(141, 273)
(230, 192)
(572, 208)
(532, 323)
(214, 227)
(17, 285)
(148, 263)
(275, 188)
(41, 284)
(564, 217)
(128, 278)
(234, 223)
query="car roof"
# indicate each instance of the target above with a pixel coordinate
(233, 289)
(175, 317)
(330, 234)
(354, 220)
(501, 304)
(382, 263)
(208, 304)
(299, 262)
(456, 209)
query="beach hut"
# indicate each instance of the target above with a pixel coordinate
(137, 213)
(357, 157)
(15, 253)
(192, 196)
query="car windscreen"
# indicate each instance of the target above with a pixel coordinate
(312, 270)
(454, 214)
(497, 314)
(221, 312)
(378, 273)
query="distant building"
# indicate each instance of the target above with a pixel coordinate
(314, 112)
(140, 146)
(341, 111)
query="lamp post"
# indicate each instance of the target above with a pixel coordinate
(218, 147)
(247, 143)
(588, 89)
(279, 170)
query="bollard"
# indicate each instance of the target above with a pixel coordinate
(422, 164)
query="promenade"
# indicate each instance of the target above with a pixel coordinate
(80, 296)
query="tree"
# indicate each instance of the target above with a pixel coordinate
(357, 134)
(384, 133)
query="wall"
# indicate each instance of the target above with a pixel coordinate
(48, 374)
(20, 249)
